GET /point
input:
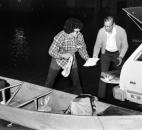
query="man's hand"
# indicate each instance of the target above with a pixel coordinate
(66, 55)
(120, 61)
(79, 46)
(106, 76)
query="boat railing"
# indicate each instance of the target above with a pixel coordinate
(35, 100)
(3, 90)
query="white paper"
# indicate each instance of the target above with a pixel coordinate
(91, 62)
(113, 81)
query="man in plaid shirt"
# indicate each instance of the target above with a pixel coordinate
(65, 44)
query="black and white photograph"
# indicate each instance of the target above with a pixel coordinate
(70, 65)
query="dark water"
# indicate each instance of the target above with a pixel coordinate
(28, 60)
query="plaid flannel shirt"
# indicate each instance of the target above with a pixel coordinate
(64, 44)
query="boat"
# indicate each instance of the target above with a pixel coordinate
(25, 100)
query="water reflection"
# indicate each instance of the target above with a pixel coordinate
(19, 48)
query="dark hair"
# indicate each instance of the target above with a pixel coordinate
(107, 18)
(71, 24)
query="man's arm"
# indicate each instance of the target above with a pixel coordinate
(82, 48)
(54, 49)
(97, 45)
(124, 44)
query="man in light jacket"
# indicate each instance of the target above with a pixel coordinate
(112, 42)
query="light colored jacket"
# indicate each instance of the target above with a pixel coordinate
(121, 41)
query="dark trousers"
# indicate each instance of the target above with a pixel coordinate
(54, 69)
(106, 60)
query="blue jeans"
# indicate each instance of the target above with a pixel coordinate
(54, 69)
(106, 60)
